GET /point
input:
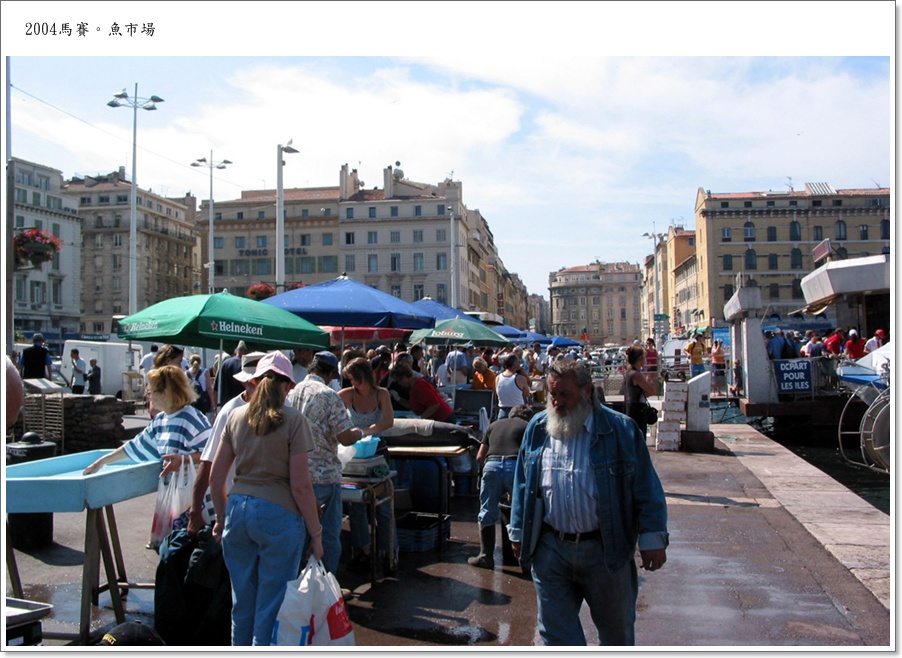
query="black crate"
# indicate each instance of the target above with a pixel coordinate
(418, 531)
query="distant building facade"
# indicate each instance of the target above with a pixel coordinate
(598, 303)
(47, 298)
(168, 258)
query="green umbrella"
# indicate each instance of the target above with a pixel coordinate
(212, 321)
(457, 331)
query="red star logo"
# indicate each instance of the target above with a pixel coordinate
(214, 325)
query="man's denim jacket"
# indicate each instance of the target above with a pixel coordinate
(631, 504)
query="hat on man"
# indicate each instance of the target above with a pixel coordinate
(37, 338)
(322, 360)
(853, 332)
(273, 362)
(880, 333)
(248, 366)
(132, 634)
(552, 347)
(383, 349)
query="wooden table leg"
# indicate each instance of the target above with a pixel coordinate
(121, 576)
(12, 567)
(109, 568)
(90, 574)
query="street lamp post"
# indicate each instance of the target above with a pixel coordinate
(455, 282)
(211, 165)
(121, 99)
(280, 216)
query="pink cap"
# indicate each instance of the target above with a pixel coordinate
(274, 362)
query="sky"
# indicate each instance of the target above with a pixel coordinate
(573, 127)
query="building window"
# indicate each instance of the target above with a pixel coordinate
(306, 240)
(795, 259)
(793, 204)
(261, 242)
(441, 235)
(773, 262)
(841, 230)
(395, 262)
(327, 212)
(394, 211)
(884, 229)
(350, 263)
(328, 239)
(117, 261)
(396, 290)
(726, 234)
(771, 233)
(797, 289)
(440, 293)
(751, 260)
(773, 290)
(329, 264)
(863, 232)
(746, 204)
(262, 266)
(817, 232)
(724, 204)
(748, 232)
(728, 261)
(305, 212)
(98, 240)
(418, 262)
(372, 263)
(218, 243)
(837, 202)
(770, 204)
(117, 239)
(308, 265)
(217, 216)
(261, 214)
(238, 267)
(239, 215)
(349, 237)
(239, 242)
(795, 231)
(349, 213)
(372, 212)
(418, 291)
(842, 253)
(372, 237)
(418, 211)
(102, 199)
(417, 235)
(395, 237)
(440, 210)
(441, 261)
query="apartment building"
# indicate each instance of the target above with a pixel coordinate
(47, 298)
(168, 259)
(597, 303)
(768, 238)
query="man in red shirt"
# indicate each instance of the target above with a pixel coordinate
(855, 345)
(834, 342)
(425, 400)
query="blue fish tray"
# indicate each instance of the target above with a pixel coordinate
(56, 484)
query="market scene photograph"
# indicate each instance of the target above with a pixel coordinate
(449, 326)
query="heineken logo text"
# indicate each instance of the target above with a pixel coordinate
(146, 325)
(226, 327)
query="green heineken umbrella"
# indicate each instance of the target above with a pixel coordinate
(457, 331)
(221, 320)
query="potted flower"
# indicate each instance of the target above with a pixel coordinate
(260, 291)
(295, 286)
(36, 247)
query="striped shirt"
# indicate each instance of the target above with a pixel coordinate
(181, 433)
(568, 485)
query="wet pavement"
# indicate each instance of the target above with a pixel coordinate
(765, 551)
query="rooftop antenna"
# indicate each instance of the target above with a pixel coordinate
(876, 183)
(789, 184)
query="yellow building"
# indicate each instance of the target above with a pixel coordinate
(768, 238)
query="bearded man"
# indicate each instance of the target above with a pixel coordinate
(585, 493)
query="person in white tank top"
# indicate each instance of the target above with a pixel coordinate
(511, 386)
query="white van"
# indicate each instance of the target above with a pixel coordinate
(113, 359)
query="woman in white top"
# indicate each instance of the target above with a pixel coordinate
(511, 386)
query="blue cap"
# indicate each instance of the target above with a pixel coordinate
(325, 359)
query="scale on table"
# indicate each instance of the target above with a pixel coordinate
(366, 467)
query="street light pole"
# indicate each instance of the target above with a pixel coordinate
(280, 216)
(657, 300)
(121, 99)
(455, 283)
(210, 264)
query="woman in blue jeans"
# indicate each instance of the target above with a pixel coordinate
(498, 455)
(271, 506)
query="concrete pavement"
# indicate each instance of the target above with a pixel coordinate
(765, 551)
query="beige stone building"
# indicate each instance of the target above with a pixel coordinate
(168, 260)
(397, 239)
(597, 303)
(768, 238)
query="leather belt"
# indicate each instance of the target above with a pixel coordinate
(574, 537)
(500, 458)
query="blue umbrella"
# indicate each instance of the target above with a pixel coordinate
(530, 337)
(562, 341)
(507, 332)
(440, 311)
(344, 302)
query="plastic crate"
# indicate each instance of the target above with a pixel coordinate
(418, 531)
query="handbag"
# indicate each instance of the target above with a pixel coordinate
(651, 414)
(173, 503)
(313, 611)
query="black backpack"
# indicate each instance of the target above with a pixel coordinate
(203, 397)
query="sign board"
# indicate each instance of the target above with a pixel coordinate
(793, 375)
(822, 250)
(661, 316)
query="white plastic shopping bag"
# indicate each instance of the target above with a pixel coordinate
(313, 611)
(173, 503)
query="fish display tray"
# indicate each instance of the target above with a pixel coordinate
(418, 531)
(56, 484)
